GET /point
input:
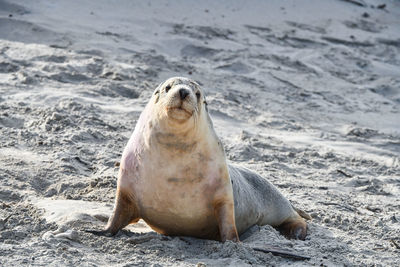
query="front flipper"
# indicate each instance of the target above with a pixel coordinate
(99, 232)
(225, 214)
(125, 212)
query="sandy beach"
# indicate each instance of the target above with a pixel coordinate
(306, 93)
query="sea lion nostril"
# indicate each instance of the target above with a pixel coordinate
(183, 93)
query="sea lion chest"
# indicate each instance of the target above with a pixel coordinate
(178, 181)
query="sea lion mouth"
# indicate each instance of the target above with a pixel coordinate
(185, 110)
(179, 113)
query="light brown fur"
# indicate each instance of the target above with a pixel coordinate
(174, 175)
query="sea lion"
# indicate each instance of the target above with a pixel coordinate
(174, 175)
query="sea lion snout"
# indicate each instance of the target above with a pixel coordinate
(183, 93)
(180, 105)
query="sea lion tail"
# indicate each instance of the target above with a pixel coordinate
(302, 213)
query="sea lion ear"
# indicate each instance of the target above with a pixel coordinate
(205, 102)
(157, 93)
(157, 96)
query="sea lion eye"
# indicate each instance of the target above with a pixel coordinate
(198, 94)
(167, 88)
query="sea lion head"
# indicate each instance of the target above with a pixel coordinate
(179, 100)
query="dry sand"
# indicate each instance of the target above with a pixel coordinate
(306, 92)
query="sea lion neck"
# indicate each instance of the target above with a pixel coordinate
(182, 138)
(173, 143)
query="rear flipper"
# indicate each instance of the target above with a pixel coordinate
(294, 228)
(302, 213)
